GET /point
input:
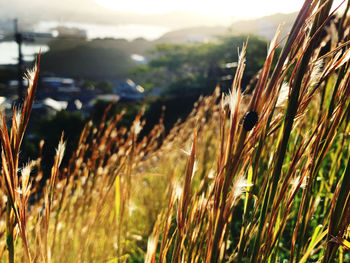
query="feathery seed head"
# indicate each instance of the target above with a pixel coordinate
(316, 73)
(137, 127)
(177, 190)
(29, 76)
(296, 180)
(241, 185)
(283, 95)
(231, 100)
(60, 151)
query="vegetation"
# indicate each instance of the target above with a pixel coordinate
(98, 59)
(220, 187)
(196, 69)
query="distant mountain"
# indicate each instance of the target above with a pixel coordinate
(193, 34)
(198, 27)
(264, 27)
(97, 59)
(100, 59)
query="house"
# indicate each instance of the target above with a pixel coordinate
(62, 89)
(129, 90)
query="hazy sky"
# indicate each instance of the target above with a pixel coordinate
(236, 8)
(197, 12)
(232, 8)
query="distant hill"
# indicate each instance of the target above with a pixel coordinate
(97, 59)
(184, 26)
(193, 35)
(100, 59)
(264, 27)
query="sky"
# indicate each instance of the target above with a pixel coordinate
(227, 8)
(232, 8)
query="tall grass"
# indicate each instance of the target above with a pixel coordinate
(220, 187)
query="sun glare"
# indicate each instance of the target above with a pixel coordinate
(227, 8)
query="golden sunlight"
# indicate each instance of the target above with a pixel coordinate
(227, 8)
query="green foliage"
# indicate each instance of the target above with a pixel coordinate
(199, 68)
(97, 59)
(77, 62)
(50, 129)
(130, 111)
(105, 86)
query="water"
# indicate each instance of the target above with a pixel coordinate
(129, 31)
(9, 50)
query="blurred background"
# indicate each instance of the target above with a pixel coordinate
(132, 53)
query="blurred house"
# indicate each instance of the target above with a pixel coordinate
(11, 89)
(62, 89)
(128, 90)
(48, 107)
(55, 94)
(138, 59)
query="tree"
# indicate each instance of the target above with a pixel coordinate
(105, 86)
(197, 69)
(95, 60)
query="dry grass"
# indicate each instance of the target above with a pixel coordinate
(212, 190)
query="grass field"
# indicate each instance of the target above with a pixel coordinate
(256, 176)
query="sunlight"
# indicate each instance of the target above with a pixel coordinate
(227, 8)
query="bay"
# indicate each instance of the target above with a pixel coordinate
(9, 49)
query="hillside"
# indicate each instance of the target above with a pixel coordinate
(264, 27)
(96, 59)
(111, 57)
(193, 34)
